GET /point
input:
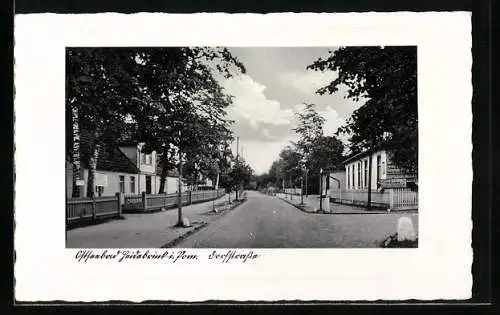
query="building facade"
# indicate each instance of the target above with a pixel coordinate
(386, 185)
(120, 168)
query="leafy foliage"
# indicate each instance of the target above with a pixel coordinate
(166, 98)
(387, 77)
(309, 129)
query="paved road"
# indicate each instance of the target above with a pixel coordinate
(268, 222)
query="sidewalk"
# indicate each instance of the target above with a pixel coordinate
(144, 230)
(311, 204)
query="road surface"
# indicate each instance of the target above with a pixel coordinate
(269, 222)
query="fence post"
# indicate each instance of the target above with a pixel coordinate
(119, 197)
(144, 200)
(94, 214)
(391, 198)
(190, 196)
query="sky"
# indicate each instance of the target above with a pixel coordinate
(267, 97)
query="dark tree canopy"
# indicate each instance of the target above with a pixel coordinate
(165, 97)
(387, 78)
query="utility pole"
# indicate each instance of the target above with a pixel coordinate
(369, 206)
(302, 189)
(307, 171)
(321, 190)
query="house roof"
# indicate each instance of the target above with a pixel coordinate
(109, 156)
(360, 155)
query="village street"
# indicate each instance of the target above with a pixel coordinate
(269, 222)
(261, 221)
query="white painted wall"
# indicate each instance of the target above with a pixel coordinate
(171, 184)
(110, 182)
(352, 182)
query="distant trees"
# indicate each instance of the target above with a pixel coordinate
(237, 176)
(313, 151)
(387, 78)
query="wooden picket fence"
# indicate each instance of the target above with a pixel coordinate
(292, 191)
(393, 199)
(92, 209)
(403, 199)
(154, 202)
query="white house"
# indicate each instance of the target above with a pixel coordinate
(119, 168)
(388, 184)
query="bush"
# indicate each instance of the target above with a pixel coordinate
(392, 242)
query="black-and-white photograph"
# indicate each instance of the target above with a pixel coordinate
(241, 147)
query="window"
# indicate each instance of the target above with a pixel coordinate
(146, 159)
(348, 179)
(352, 176)
(359, 175)
(132, 184)
(366, 173)
(122, 184)
(99, 190)
(148, 185)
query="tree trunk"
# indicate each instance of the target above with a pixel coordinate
(302, 190)
(76, 160)
(92, 167)
(307, 189)
(163, 179)
(179, 192)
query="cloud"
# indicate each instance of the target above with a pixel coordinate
(251, 103)
(309, 81)
(260, 155)
(332, 121)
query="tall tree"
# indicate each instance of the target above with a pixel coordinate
(387, 78)
(309, 129)
(317, 151)
(144, 92)
(98, 96)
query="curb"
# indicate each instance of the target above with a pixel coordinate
(177, 240)
(351, 213)
(297, 206)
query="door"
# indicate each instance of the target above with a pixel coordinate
(148, 185)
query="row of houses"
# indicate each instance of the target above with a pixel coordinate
(120, 167)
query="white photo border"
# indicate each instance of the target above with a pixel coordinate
(439, 269)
